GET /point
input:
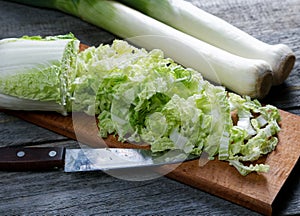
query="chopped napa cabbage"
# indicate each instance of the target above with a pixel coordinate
(254, 135)
(145, 98)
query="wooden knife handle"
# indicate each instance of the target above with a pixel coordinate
(31, 158)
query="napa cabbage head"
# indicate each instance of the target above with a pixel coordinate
(37, 69)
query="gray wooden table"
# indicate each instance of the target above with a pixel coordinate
(97, 193)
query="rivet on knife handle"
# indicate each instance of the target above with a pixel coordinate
(35, 158)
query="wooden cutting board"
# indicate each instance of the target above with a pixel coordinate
(254, 191)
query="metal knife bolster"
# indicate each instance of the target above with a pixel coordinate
(31, 158)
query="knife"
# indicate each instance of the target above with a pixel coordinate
(84, 159)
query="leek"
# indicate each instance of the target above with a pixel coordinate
(35, 72)
(244, 76)
(190, 19)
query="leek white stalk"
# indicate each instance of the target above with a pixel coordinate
(35, 72)
(192, 20)
(244, 76)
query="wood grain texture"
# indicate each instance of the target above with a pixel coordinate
(28, 134)
(55, 193)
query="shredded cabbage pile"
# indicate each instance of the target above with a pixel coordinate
(143, 97)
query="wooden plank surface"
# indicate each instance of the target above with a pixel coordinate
(272, 21)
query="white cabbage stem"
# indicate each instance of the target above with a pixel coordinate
(15, 103)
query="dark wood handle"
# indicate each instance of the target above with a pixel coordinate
(31, 158)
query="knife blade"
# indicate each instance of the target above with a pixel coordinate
(84, 159)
